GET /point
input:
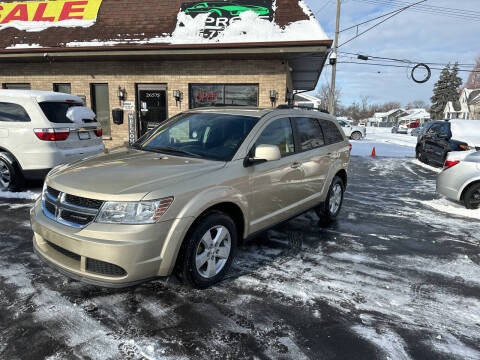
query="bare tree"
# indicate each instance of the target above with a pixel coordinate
(473, 81)
(324, 95)
(417, 104)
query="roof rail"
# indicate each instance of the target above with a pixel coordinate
(285, 106)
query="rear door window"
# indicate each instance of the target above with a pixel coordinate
(56, 112)
(330, 131)
(309, 132)
(10, 112)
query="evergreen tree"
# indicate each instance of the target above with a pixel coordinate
(441, 94)
(454, 84)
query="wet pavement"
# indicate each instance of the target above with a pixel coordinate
(394, 278)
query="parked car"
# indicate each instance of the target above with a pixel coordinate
(441, 137)
(184, 195)
(40, 130)
(395, 129)
(417, 131)
(402, 129)
(460, 178)
(351, 131)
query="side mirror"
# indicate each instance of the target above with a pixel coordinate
(265, 153)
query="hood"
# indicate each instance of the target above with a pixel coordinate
(127, 174)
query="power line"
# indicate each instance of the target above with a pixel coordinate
(399, 66)
(447, 12)
(401, 60)
(381, 22)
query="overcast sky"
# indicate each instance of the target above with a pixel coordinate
(410, 35)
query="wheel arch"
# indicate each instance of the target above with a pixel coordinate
(467, 187)
(7, 155)
(342, 174)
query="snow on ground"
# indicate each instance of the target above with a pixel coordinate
(426, 166)
(453, 208)
(28, 194)
(386, 144)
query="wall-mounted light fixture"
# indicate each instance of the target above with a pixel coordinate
(273, 97)
(121, 94)
(178, 96)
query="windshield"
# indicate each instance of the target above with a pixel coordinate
(211, 136)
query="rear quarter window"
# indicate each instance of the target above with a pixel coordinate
(10, 112)
(330, 132)
(56, 112)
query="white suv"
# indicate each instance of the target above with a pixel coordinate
(40, 130)
(351, 131)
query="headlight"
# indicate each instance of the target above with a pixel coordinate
(143, 212)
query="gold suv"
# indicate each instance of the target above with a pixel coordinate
(185, 194)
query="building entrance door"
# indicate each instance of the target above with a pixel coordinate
(151, 106)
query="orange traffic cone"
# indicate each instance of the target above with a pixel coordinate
(374, 153)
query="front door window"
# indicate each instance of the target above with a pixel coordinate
(152, 104)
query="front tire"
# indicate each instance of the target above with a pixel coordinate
(329, 210)
(208, 250)
(356, 135)
(11, 178)
(471, 198)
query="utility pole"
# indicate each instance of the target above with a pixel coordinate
(333, 62)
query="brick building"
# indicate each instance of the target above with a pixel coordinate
(154, 59)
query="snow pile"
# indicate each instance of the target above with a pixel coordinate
(452, 208)
(78, 113)
(426, 166)
(386, 144)
(24, 46)
(36, 26)
(29, 195)
(467, 131)
(247, 27)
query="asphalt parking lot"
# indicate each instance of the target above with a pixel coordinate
(393, 279)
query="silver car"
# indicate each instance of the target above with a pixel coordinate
(460, 178)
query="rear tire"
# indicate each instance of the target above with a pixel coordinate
(329, 210)
(11, 177)
(471, 198)
(356, 135)
(208, 250)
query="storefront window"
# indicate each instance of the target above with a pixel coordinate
(212, 94)
(101, 105)
(62, 88)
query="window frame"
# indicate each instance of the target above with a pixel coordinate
(56, 85)
(93, 106)
(191, 85)
(296, 136)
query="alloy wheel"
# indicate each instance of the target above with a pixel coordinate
(5, 176)
(335, 199)
(213, 251)
(475, 200)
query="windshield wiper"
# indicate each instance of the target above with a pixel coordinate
(171, 149)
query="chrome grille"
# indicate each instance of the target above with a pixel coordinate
(68, 209)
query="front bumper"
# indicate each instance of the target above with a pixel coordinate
(108, 255)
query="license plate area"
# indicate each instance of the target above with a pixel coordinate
(84, 135)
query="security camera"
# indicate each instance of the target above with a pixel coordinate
(333, 58)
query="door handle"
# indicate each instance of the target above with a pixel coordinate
(296, 165)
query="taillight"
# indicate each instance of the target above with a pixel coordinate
(350, 147)
(463, 147)
(52, 134)
(448, 164)
(98, 132)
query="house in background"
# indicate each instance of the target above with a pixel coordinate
(308, 101)
(420, 116)
(467, 107)
(389, 118)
